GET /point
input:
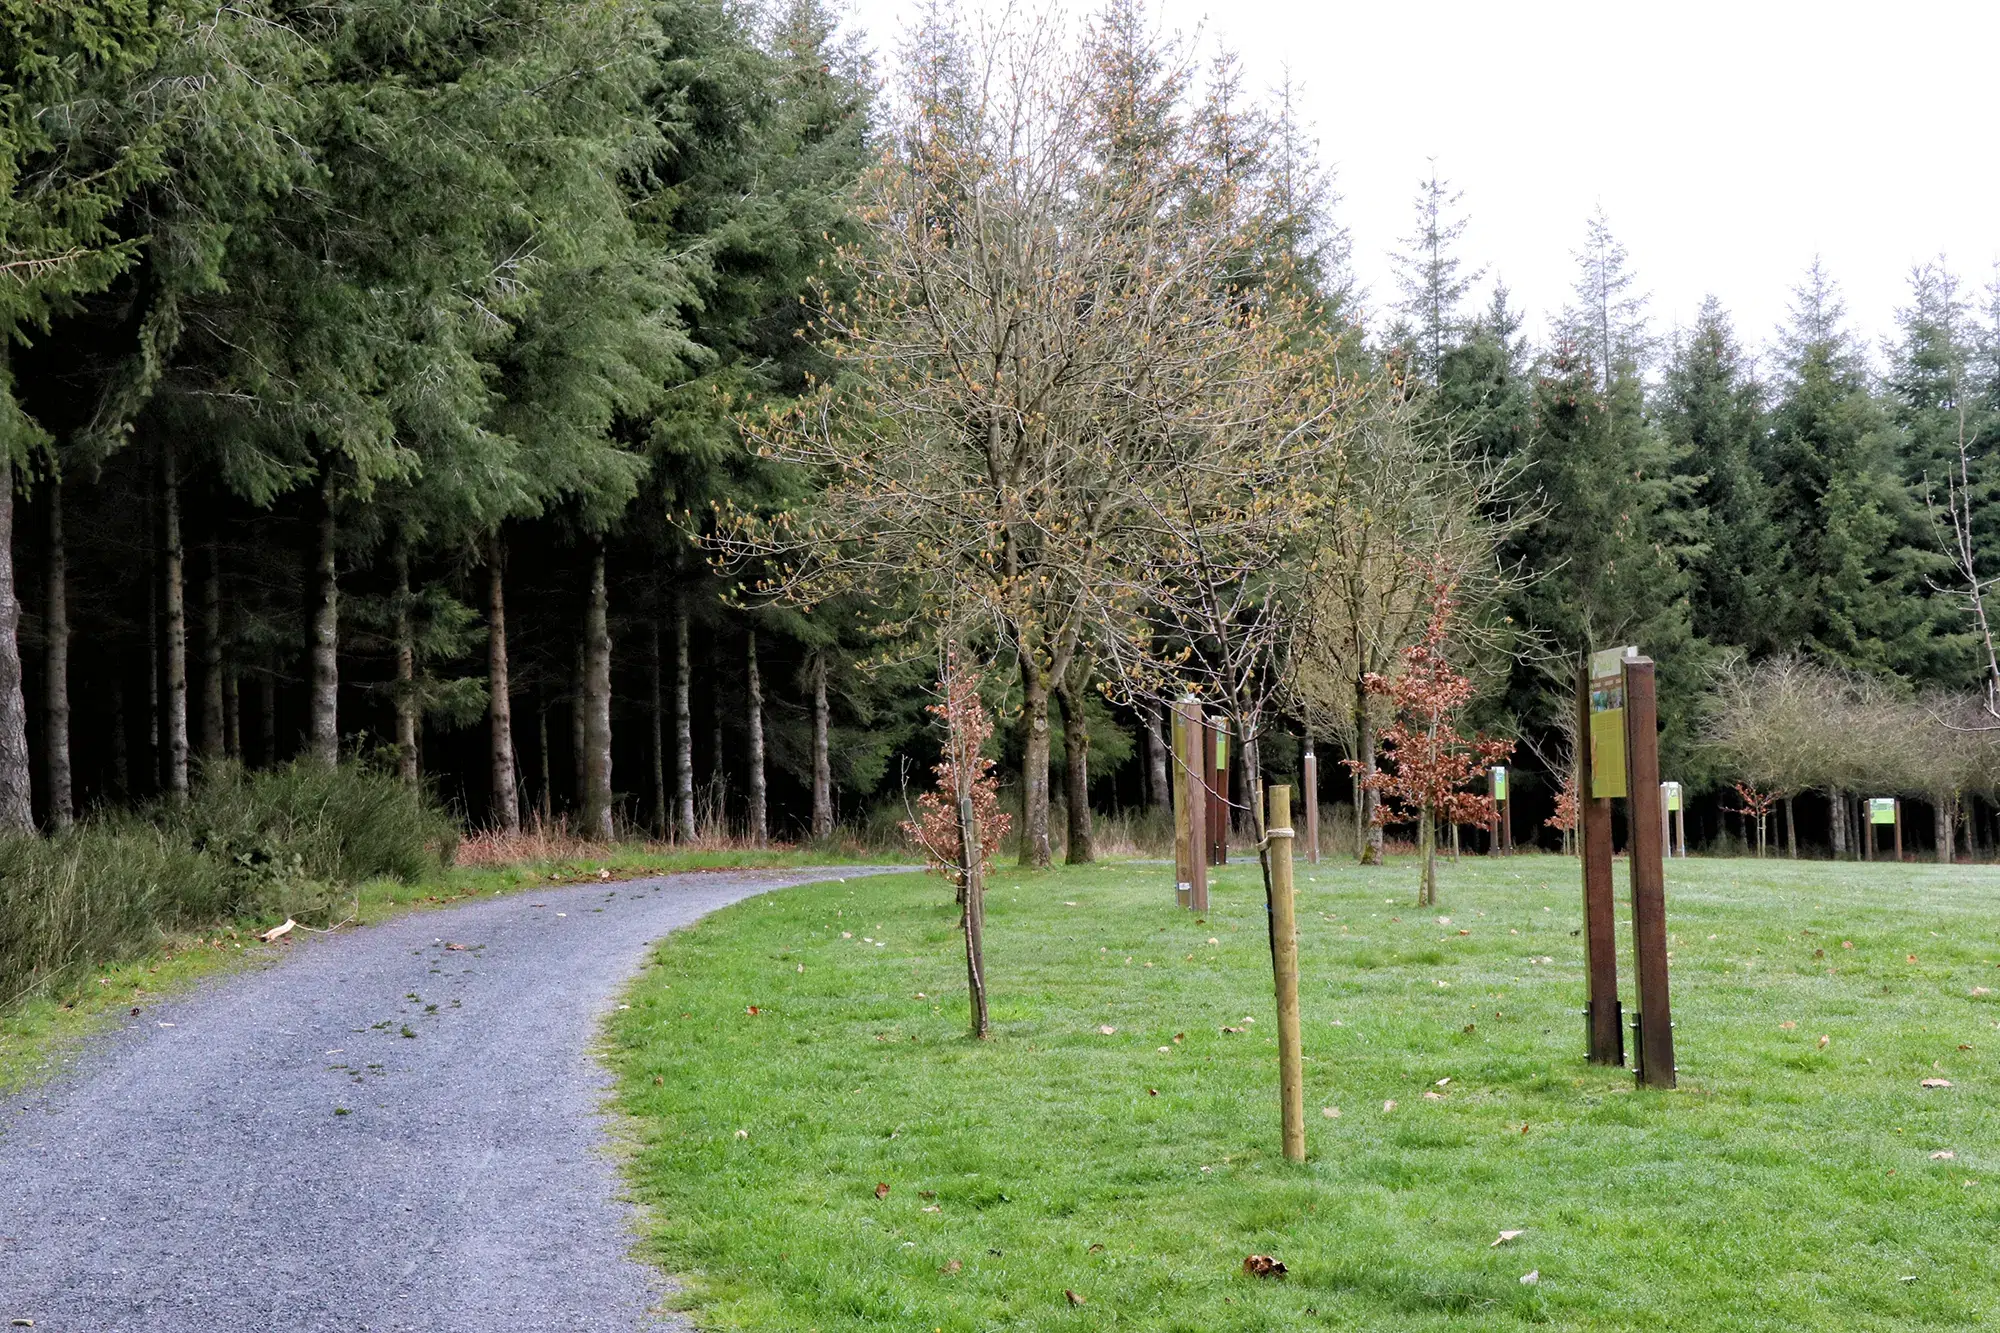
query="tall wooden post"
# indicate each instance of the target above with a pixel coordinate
(1312, 808)
(1285, 964)
(1681, 826)
(1219, 808)
(1190, 807)
(1603, 1021)
(1867, 828)
(1653, 1025)
(1899, 827)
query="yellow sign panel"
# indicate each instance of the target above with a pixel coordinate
(1607, 721)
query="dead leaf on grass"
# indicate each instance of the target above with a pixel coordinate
(1072, 1297)
(952, 1267)
(1788, 1025)
(275, 931)
(1504, 1237)
(1263, 1265)
(1107, 1029)
(882, 1189)
(1935, 1083)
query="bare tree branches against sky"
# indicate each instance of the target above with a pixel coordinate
(1727, 143)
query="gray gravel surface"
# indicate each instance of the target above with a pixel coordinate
(192, 1174)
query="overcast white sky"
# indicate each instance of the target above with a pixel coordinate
(1727, 142)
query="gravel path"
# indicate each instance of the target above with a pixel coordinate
(193, 1174)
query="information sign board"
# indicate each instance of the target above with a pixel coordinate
(1881, 809)
(1499, 782)
(1671, 792)
(1607, 721)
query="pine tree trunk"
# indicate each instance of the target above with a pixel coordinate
(62, 794)
(17, 798)
(1837, 822)
(323, 724)
(506, 811)
(718, 774)
(1427, 847)
(1945, 822)
(1368, 799)
(1156, 761)
(214, 738)
(1076, 775)
(232, 711)
(662, 820)
(597, 703)
(683, 721)
(405, 695)
(156, 762)
(1034, 762)
(822, 819)
(759, 830)
(176, 634)
(1791, 832)
(548, 806)
(579, 741)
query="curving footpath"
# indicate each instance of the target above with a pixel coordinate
(193, 1175)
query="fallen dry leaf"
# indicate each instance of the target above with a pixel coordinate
(1823, 1040)
(1152, 1092)
(1074, 1299)
(1531, 1277)
(1935, 1083)
(1330, 1112)
(1107, 1029)
(1263, 1265)
(1389, 1105)
(275, 931)
(457, 948)
(1226, 1029)
(1911, 958)
(1445, 1081)
(882, 1190)
(1982, 990)
(1945, 1156)
(1504, 1237)
(932, 1208)
(951, 1267)
(1788, 1025)
(753, 1009)
(1963, 1047)
(1847, 944)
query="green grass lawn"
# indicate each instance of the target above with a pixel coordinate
(790, 1055)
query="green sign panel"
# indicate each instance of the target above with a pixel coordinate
(1881, 809)
(1499, 782)
(1670, 793)
(1221, 745)
(1607, 721)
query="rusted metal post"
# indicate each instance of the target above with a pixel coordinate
(1653, 1024)
(1285, 967)
(1312, 808)
(1603, 1021)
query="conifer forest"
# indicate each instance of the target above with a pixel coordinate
(614, 411)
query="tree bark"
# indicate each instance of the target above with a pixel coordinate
(62, 794)
(1076, 773)
(597, 703)
(1944, 817)
(214, 732)
(1837, 822)
(232, 712)
(121, 757)
(1156, 761)
(972, 895)
(156, 760)
(759, 829)
(579, 740)
(1791, 832)
(323, 722)
(17, 797)
(405, 694)
(175, 576)
(506, 812)
(822, 793)
(1368, 800)
(683, 721)
(662, 820)
(548, 806)
(1034, 762)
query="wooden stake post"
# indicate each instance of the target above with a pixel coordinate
(1603, 1023)
(1312, 808)
(1653, 1024)
(1285, 966)
(1500, 833)
(1190, 807)
(1219, 808)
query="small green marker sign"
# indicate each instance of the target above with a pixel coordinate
(1499, 782)
(1881, 809)
(1670, 792)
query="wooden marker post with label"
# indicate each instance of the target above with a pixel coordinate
(1219, 808)
(1190, 807)
(1285, 969)
(1600, 776)
(1312, 808)
(1653, 1024)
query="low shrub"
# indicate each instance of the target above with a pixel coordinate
(245, 845)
